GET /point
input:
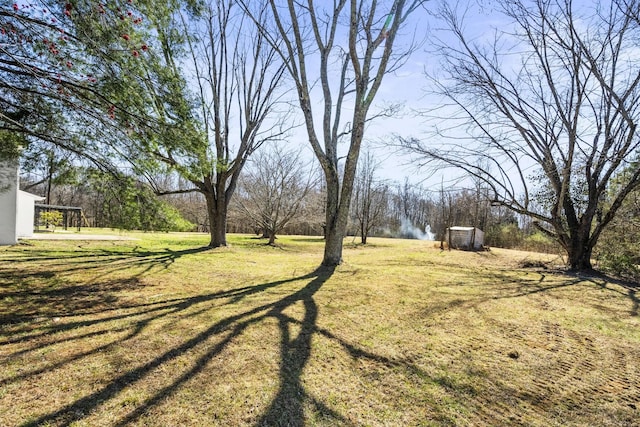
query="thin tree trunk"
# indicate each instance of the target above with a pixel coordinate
(49, 184)
(363, 233)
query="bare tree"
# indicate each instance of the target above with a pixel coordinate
(274, 189)
(557, 93)
(237, 77)
(370, 198)
(410, 210)
(47, 168)
(338, 53)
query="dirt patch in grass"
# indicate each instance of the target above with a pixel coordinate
(164, 331)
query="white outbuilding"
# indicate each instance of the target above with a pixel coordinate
(17, 207)
(470, 238)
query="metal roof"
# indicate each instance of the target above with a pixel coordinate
(68, 208)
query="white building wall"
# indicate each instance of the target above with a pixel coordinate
(25, 212)
(9, 202)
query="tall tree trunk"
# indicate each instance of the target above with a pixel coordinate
(339, 196)
(364, 64)
(217, 213)
(363, 233)
(580, 258)
(580, 249)
(219, 232)
(49, 182)
(337, 228)
(333, 232)
(333, 246)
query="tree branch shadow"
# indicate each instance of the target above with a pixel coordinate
(229, 328)
(288, 403)
(149, 311)
(287, 408)
(70, 297)
(291, 399)
(629, 288)
(531, 286)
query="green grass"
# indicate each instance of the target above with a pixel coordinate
(163, 331)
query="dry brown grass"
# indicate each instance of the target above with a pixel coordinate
(162, 331)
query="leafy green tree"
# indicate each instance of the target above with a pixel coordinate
(51, 218)
(58, 58)
(109, 81)
(127, 203)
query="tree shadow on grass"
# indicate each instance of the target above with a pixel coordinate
(627, 288)
(498, 285)
(147, 312)
(623, 287)
(61, 296)
(288, 406)
(291, 399)
(98, 259)
(295, 354)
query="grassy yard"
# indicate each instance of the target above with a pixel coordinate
(162, 331)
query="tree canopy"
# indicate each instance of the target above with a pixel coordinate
(57, 59)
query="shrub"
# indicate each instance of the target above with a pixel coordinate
(52, 218)
(620, 263)
(504, 236)
(539, 242)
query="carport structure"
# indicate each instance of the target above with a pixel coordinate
(71, 215)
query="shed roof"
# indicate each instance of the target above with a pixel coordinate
(458, 228)
(58, 207)
(31, 195)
